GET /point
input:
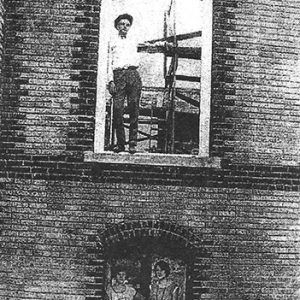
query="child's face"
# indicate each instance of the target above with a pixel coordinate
(160, 273)
(121, 277)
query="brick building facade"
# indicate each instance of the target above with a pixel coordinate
(235, 223)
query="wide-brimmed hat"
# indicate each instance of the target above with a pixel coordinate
(123, 16)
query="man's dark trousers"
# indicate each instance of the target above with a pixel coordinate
(128, 84)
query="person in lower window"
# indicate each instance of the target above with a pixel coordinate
(162, 287)
(119, 289)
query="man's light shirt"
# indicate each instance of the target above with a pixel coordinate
(123, 52)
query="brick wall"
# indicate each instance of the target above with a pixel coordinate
(1, 29)
(56, 208)
(1, 42)
(49, 76)
(248, 236)
(255, 81)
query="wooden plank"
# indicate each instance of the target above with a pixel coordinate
(151, 49)
(182, 52)
(185, 52)
(185, 36)
(179, 37)
(162, 89)
(188, 78)
(165, 35)
(159, 112)
(173, 93)
(188, 99)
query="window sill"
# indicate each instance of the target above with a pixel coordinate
(156, 159)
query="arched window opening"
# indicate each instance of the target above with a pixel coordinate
(141, 252)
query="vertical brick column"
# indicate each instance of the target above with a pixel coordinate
(2, 16)
(11, 130)
(84, 69)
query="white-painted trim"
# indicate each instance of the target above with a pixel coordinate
(205, 92)
(157, 159)
(104, 29)
(206, 66)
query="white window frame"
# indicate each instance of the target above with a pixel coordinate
(205, 75)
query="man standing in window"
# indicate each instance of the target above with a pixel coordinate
(125, 82)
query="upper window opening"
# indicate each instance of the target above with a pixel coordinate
(174, 49)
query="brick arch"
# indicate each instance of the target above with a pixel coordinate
(157, 229)
(185, 238)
